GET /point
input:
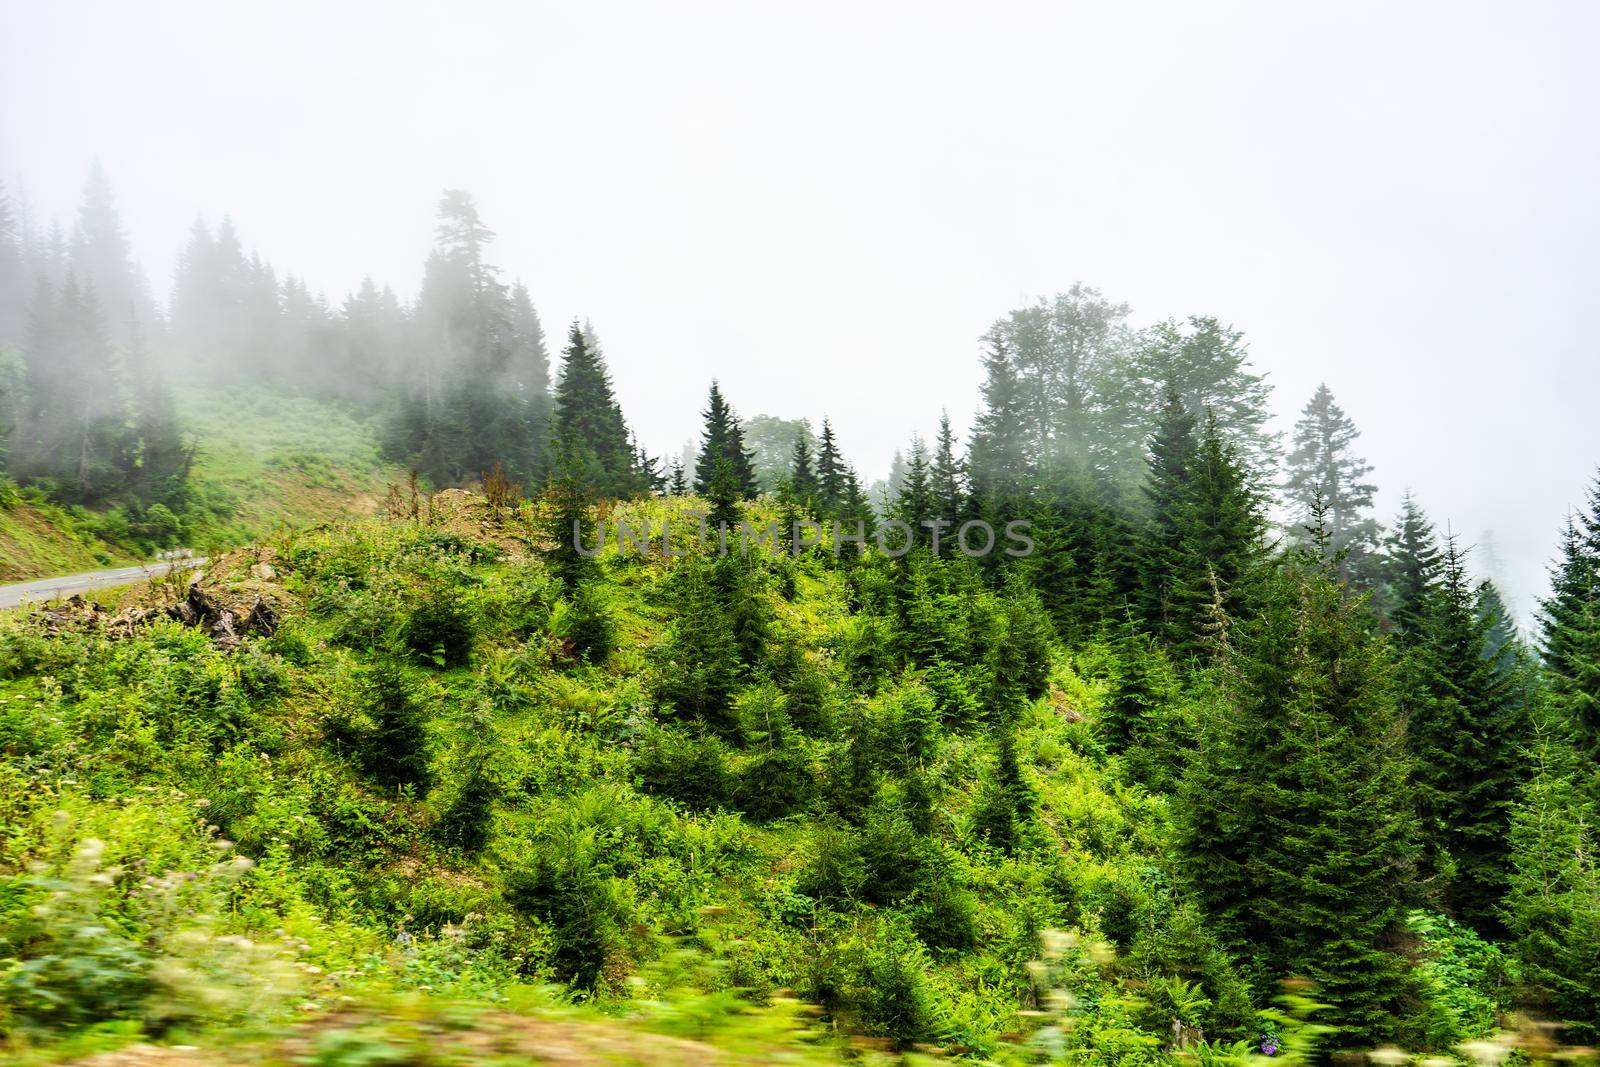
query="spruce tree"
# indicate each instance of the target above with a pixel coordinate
(998, 462)
(1411, 572)
(830, 474)
(1553, 904)
(75, 433)
(949, 502)
(915, 500)
(588, 429)
(1321, 463)
(677, 484)
(102, 259)
(1466, 726)
(1221, 541)
(164, 457)
(13, 280)
(723, 438)
(802, 476)
(1570, 626)
(1167, 490)
(1296, 831)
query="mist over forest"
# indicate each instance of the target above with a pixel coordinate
(468, 352)
(735, 533)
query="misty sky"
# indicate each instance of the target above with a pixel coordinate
(825, 204)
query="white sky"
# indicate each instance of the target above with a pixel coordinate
(824, 204)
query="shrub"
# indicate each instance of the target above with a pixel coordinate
(775, 782)
(586, 626)
(438, 626)
(566, 886)
(466, 820)
(893, 994)
(834, 871)
(82, 943)
(944, 914)
(394, 747)
(687, 767)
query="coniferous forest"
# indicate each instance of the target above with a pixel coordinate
(1225, 767)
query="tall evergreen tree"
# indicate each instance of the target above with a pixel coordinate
(1570, 626)
(75, 432)
(1168, 488)
(802, 475)
(1466, 727)
(1321, 463)
(588, 424)
(830, 473)
(1217, 544)
(915, 500)
(102, 259)
(1411, 571)
(1296, 829)
(164, 457)
(998, 462)
(945, 475)
(1553, 904)
(723, 438)
(13, 278)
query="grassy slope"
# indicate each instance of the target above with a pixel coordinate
(264, 462)
(138, 744)
(267, 462)
(206, 819)
(38, 540)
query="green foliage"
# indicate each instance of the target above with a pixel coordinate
(565, 884)
(1296, 832)
(437, 625)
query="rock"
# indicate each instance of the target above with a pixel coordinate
(261, 619)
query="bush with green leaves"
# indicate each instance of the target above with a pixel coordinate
(564, 883)
(438, 625)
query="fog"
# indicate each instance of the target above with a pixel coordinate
(825, 205)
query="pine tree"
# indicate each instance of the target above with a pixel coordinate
(1321, 463)
(723, 438)
(164, 458)
(997, 458)
(1220, 541)
(1168, 487)
(1553, 904)
(13, 280)
(76, 430)
(1411, 572)
(677, 484)
(701, 666)
(945, 476)
(830, 474)
(1570, 626)
(588, 426)
(802, 476)
(1466, 726)
(722, 493)
(102, 259)
(915, 500)
(1295, 825)
(528, 383)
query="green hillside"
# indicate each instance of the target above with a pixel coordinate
(263, 461)
(765, 803)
